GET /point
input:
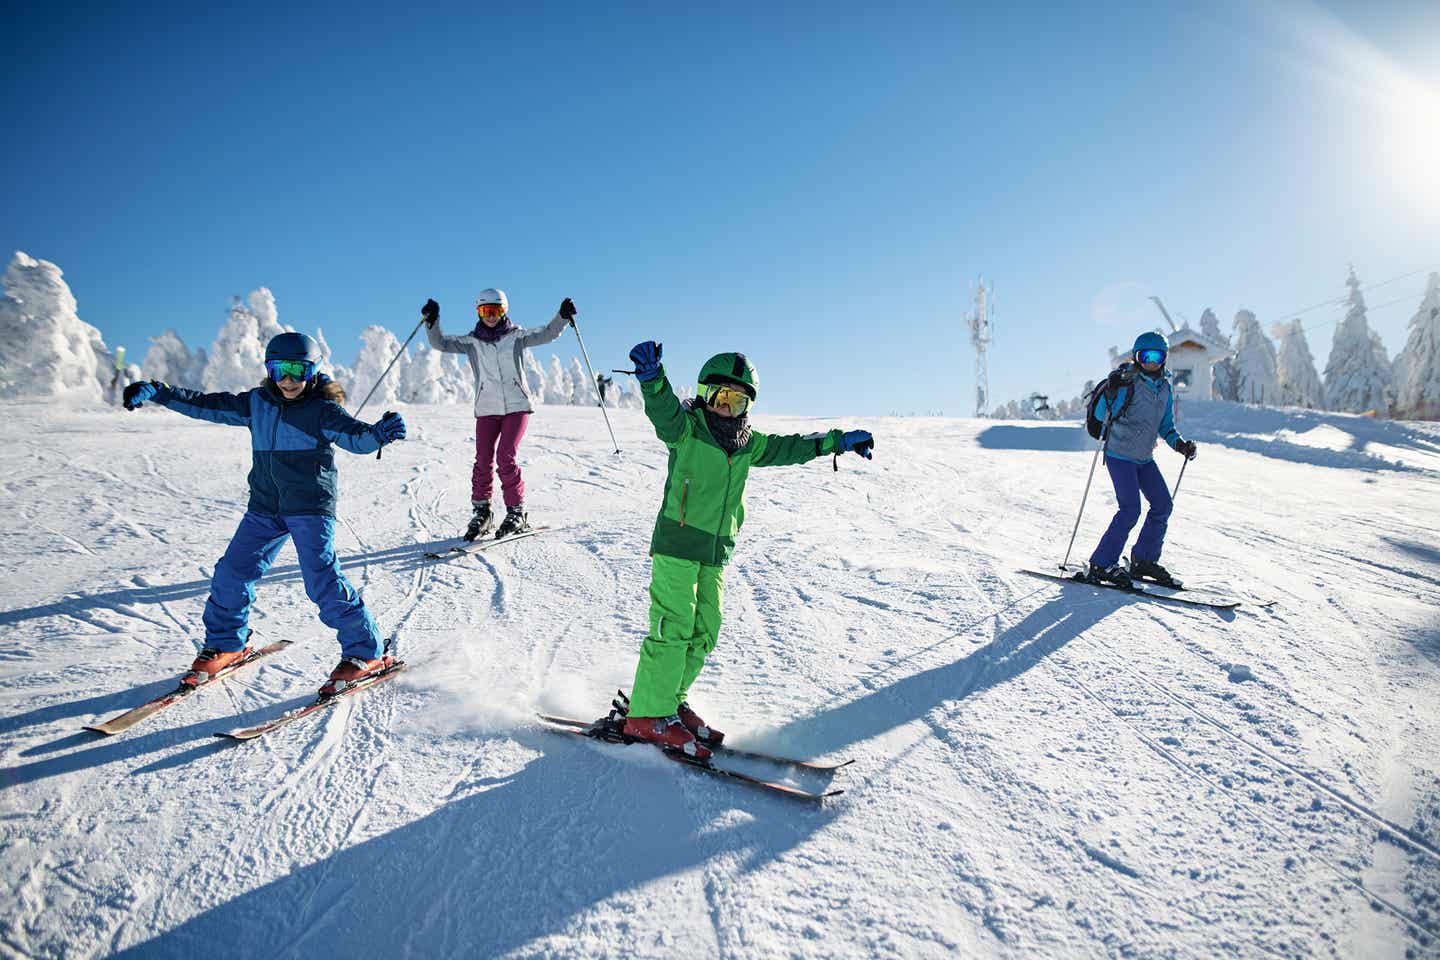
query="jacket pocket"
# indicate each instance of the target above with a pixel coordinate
(684, 492)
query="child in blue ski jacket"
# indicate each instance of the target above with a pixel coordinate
(1143, 404)
(294, 416)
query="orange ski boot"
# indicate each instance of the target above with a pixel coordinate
(351, 670)
(209, 662)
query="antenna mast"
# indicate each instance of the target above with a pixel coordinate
(980, 337)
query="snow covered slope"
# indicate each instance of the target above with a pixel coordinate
(1040, 769)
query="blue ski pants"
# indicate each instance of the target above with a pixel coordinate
(1130, 481)
(253, 549)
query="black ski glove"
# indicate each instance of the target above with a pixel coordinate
(430, 313)
(1186, 447)
(568, 311)
(1113, 383)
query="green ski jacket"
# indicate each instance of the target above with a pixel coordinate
(704, 503)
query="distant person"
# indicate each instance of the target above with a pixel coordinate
(294, 416)
(602, 383)
(1143, 404)
(712, 449)
(496, 350)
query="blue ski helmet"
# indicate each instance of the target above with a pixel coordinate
(1150, 340)
(293, 346)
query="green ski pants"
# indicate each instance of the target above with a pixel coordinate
(684, 626)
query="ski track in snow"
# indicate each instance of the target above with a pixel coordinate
(1038, 770)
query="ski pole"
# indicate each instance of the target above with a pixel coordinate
(387, 369)
(1176, 492)
(1105, 432)
(591, 370)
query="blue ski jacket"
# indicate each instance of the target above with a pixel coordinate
(293, 466)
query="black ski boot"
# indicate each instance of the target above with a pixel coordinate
(1113, 576)
(1154, 573)
(515, 522)
(480, 521)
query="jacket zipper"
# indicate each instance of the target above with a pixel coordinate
(725, 502)
(684, 492)
(275, 432)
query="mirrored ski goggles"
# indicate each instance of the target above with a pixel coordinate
(489, 310)
(297, 370)
(723, 395)
(1156, 357)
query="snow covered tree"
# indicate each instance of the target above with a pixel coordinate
(558, 388)
(46, 350)
(378, 348)
(1223, 378)
(1254, 362)
(1299, 383)
(582, 388)
(423, 379)
(1417, 368)
(1358, 378)
(1210, 327)
(171, 361)
(535, 378)
(458, 382)
(337, 371)
(237, 357)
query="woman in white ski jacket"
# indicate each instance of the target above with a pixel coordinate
(496, 350)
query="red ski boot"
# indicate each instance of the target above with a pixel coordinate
(666, 732)
(705, 733)
(351, 670)
(209, 662)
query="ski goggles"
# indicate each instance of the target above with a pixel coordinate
(724, 395)
(297, 370)
(488, 311)
(1156, 357)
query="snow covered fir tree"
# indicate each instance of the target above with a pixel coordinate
(1358, 377)
(1297, 381)
(1417, 368)
(1253, 363)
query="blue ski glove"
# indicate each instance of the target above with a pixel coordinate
(389, 428)
(137, 393)
(646, 357)
(859, 441)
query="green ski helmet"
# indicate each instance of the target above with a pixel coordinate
(730, 368)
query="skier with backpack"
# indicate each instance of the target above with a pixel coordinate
(1130, 410)
(496, 351)
(294, 417)
(712, 448)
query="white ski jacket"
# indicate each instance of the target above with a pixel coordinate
(498, 367)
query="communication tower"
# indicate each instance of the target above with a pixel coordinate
(980, 337)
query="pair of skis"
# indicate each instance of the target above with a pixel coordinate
(1152, 590)
(610, 729)
(466, 549)
(189, 687)
(192, 683)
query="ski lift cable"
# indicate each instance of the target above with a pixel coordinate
(1369, 308)
(1335, 301)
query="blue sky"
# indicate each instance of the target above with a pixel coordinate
(817, 185)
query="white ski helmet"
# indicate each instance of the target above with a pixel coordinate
(491, 295)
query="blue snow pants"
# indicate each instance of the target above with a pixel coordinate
(1130, 481)
(253, 549)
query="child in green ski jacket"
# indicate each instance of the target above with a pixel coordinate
(712, 449)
